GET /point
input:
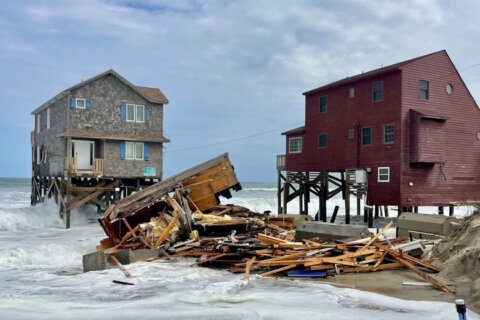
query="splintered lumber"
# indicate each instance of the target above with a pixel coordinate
(377, 236)
(118, 264)
(393, 265)
(338, 259)
(249, 265)
(269, 273)
(437, 284)
(394, 253)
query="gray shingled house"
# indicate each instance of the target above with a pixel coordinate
(97, 142)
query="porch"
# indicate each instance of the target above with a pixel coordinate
(85, 158)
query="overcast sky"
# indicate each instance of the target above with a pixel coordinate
(229, 68)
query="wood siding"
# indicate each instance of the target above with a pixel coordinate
(434, 161)
(344, 113)
(452, 144)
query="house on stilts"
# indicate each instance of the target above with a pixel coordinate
(405, 135)
(97, 142)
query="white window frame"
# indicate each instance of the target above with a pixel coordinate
(38, 155)
(48, 118)
(134, 153)
(143, 112)
(383, 174)
(84, 103)
(385, 133)
(134, 112)
(38, 123)
(133, 150)
(142, 153)
(290, 143)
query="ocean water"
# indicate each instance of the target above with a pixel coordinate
(41, 276)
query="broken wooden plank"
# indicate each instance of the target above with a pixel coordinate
(250, 262)
(269, 273)
(377, 236)
(118, 264)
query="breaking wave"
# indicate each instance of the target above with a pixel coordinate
(41, 216)
(41, 256)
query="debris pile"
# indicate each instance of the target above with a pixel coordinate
(182, 216)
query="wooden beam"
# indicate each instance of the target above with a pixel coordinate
(91, 196)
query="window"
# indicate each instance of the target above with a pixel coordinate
(140, 114)
(139, 151)
(449, 88)
(424, 89)
(351, 134)
(388, 133)
(322, 140)
(135, 113)
(295, 145)
(130, 152)
(38, 155)
(38, 123)
(366, 136)
(134, 150)
(383, 174)
(48, 118)
(352, 92)
(130, 113)
(323, 104)
(378, 91)
(80, 103)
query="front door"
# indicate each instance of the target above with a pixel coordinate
(83, 151)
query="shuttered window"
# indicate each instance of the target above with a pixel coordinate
(378, 91)
(138, 151)
(130, 152)
(130, 113)
(424, 89)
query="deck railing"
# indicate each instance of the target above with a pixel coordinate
(97, 167)
(281, 162)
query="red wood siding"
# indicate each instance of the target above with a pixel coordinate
(453, 141)
(344, 113)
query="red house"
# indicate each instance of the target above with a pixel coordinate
(412, 128)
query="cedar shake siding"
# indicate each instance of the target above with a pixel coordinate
(434, 157)
(104, 122)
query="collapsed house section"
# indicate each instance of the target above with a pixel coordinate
(176, 207)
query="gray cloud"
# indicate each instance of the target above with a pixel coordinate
(229, 68)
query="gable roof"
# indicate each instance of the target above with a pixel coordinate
(372, 73)
(153, 95)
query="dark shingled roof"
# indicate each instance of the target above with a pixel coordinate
(153, 93)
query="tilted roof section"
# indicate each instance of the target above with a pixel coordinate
(153, 95)
(294, 131)
(369, 74)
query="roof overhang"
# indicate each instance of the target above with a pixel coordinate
(298, 130)
(94, 134)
